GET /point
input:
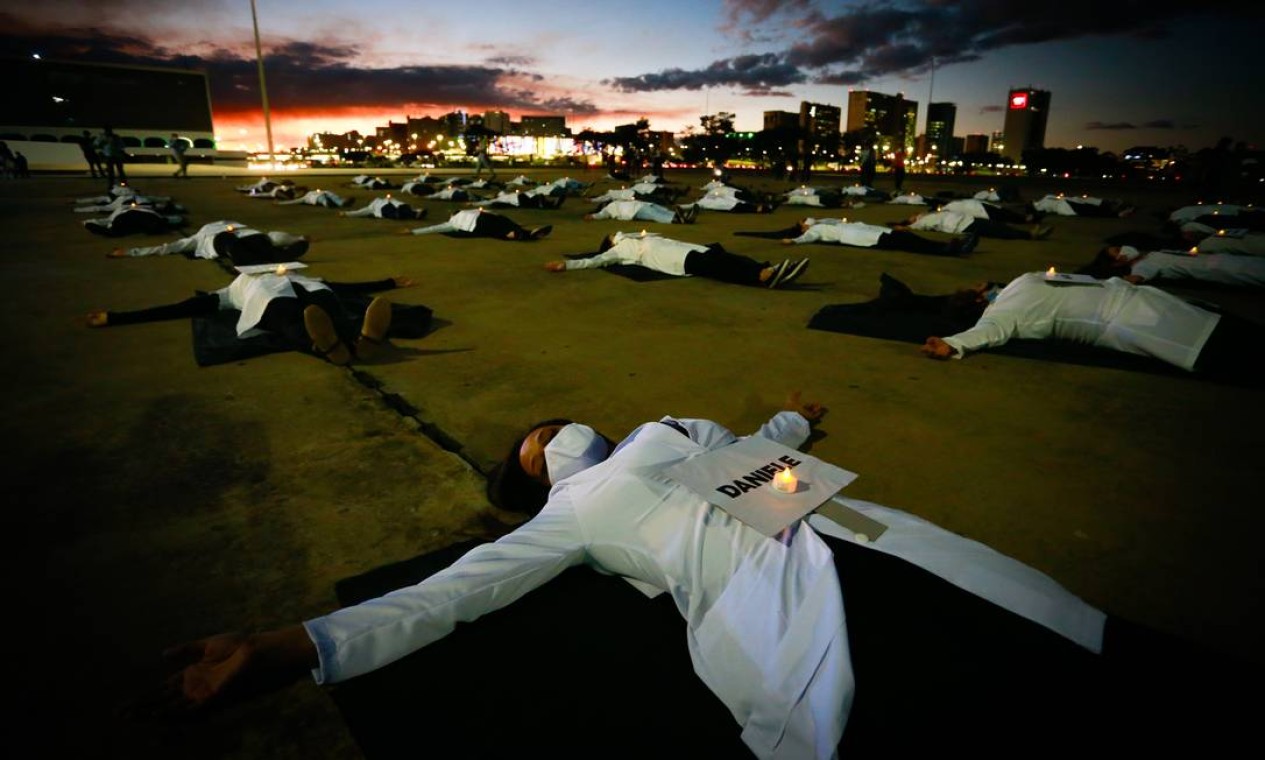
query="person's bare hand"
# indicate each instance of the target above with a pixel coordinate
(117, 253)
(936, 348)
(556, 266)
(787, 241)
(97, 318)
(810, 410)
(404, 232)
(227, 667)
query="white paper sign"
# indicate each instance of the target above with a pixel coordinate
(1061, 278)
(739, 479)
(270, 268)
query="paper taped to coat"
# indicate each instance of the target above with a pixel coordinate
(739, 479)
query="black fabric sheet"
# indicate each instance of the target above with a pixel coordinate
(877, 319)
(634, 272)
(586, 666)
(215, 338)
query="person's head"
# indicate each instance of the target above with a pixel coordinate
(967, 305)
(549, 452)
(607, 243)
(1110, 261)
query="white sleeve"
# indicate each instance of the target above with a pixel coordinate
(990, 331)
(787, 428)
(183, 245)
(369, 635)
(604, 259)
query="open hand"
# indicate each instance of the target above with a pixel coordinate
(938, 349)
(809, 410)
(556, 266)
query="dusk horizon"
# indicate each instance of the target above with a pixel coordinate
(1119, 76)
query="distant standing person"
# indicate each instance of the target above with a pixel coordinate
(178, 149)
(869, 166)
(484, 160)
(112, 154)
(88, 144)
(898, 169)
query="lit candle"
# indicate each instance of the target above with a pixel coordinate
(229, 228)
(281, 269)
(1051, 273)
(785, 481)
(1194, 250)
(1220, 233)
(643, 233)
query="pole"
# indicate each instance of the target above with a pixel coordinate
(263, 88)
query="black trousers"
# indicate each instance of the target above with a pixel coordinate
(137, 220)
(1000, 214)
(255, 249)
(283, 316)
(903, 240)
(991, 229)
(1228, 355)
(496, 226)
(718, 264)
(937, 666)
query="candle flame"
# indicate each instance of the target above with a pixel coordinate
(281, 269)
(1051, 273)
(1194, 250)
(1221, 233)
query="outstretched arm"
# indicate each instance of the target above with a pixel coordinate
(229, 667)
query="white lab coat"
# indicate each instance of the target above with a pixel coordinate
(765, 619)
(650, 250)
(1136, 319)
(1221, 268)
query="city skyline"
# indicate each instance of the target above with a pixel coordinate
(1121, 75)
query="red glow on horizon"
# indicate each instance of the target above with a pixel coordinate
(244, 129)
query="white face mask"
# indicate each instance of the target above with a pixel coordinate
(575, 448)
(1129, 253)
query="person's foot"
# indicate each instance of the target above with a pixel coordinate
(792, 273)
(421, 214)
(1041, 231)
(1127, 211)
(540, 232)
(687, 213)
(373, 331)
(961, 246)
(779, 271)
(325, 341)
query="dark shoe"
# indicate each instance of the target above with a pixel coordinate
(792, 273)
(687, 213)
(540, 232)
(961, 246)
(779, 271)
(1041, 232)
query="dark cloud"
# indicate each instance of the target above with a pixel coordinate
(511, 60)
(1114, 125)
(880, 38)
(301, 75)
(754, 73)
(1153, 124)
(991, 109)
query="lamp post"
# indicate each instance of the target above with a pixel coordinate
(263, 88)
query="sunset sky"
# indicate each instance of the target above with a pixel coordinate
(1120, 73)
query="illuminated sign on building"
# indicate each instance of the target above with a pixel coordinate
(1019, 100)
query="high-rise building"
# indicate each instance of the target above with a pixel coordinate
(497, 121)
(940, 119)
(774, 120)
(819, 128)
(1027, 111)
(975, 144)
(891, 120)
(544, 126)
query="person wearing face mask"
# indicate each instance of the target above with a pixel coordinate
(1137, 266)
(764, 615)
(1113, 313)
